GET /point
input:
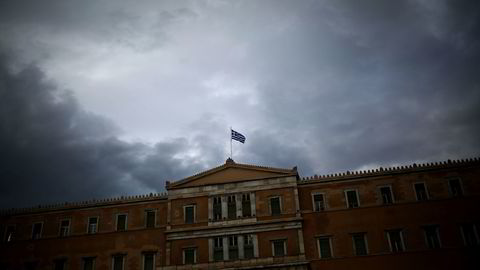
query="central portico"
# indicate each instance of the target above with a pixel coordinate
(235, 216)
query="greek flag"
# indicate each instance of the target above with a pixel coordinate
(237, 136)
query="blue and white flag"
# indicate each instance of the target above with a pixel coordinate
(237, 136)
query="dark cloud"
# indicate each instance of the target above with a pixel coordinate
(53, 150)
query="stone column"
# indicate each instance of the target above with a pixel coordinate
(210, 249)
(238, 201)
(210, 209)
(301, 245)
(224, 207)
(225, 248)
(241, 253)
(253, 204)
(297, 203)
(255, 245)
(168, 253)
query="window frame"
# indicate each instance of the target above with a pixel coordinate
(232, 201)
(365, 242)
(279, 202)
(246, 200)
(5, 234)
(460, 183)
(68, 229)
(347, 200)
(154, 211)
(123, 260)
(84, 259)
(194, 255)
(63, 260)
(427, 195)
(475, 233)
(402, 240)
(437, 235)
(41, 230)
(194, 213)
(324, 201)
(284, 245)
(215, 206)
(218, 249)
(144, 254)
(381, 195)
(245, 245)
(330, 245)
(116, 222)
(96, 224)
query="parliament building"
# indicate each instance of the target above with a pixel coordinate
(239, 216)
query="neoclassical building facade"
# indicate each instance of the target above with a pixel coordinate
(239, 216)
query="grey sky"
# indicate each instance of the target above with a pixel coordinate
(103, 98)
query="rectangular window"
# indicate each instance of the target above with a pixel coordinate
(121, 222)
(455, 187)
(469, 234)
(189, 256)
(248, 246)
(60, 264)
(118, 261)
(318, 202)
(89, 263)
(37, 230)
(246, 205)
(148, 261)
(275, 206)
(232, 248)
(9, 233)
(189, 212)
(352, 198)
(325, 247)
(421, 191)
(92, 225)
(360, 244)
(395, 240)
(432, 237)
(28, 265)
(218, 249)
(64, 228)
(217, 208)
(279, 248)
(232, 207)
(150, 218)
(387, 196)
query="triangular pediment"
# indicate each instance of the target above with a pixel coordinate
(231, 172)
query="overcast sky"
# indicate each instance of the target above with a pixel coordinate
(107, 98)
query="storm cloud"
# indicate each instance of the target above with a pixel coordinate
(115, 97)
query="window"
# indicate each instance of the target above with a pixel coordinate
(352, 198)
(189, 213)
(217, 208)
(121, 222)
(218, 249)
(64, 228)
(9, 233)
(148, 261)
(189, 256)
(37, 230)
(92, 225)
(150, 218)
(469, 234)
(279, 248)
(89, 263)
(455, 187)
(28, 266)
(232, 207)
(395, 240)
(360, 244)
(118, 261)
(60, 264)
(248, 246)
(325, 247)
(275, 206)
(318, 202)
(421, 191)
(386, 194)
(232, 248)
(432, 238)
(246, 205)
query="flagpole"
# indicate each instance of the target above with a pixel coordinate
(231, 153)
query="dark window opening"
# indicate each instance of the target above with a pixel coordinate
(246, 205)
(118, 262)
(217, 208)
(431, 236)
(92, 225)
(360, 244)
(218, 249)
(386, 193)
(248, 246)
(189, 254)
(455, 187)
(121, 222)
(89, 263)
(37, 230)
(189, 214)
(319, 202)
(275, 206)
(148, 261)
(396, 241)
(352, 199)
(421, 192)
(232, 207)
(279, 248)
(150, 218)
(232, 248)
(324, 246)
